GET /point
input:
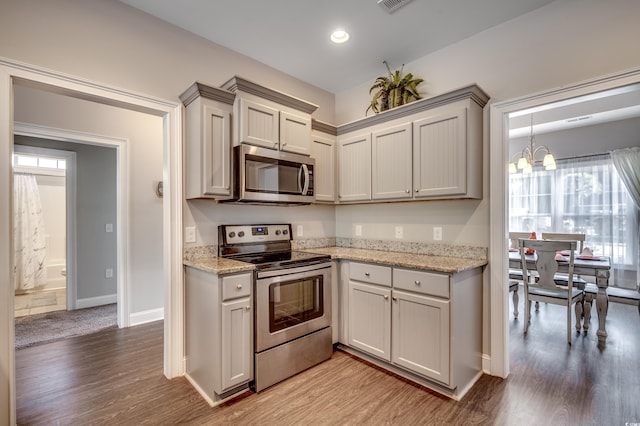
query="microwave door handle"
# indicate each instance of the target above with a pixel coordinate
(304, 172)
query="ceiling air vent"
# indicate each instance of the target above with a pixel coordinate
(392, 5)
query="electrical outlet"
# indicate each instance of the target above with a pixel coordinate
(358, 230)
(299, 231)
(108, 273)
(190, 234)
(399, 232)
(437, 233)
(108, 227)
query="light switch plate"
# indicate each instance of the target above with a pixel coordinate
(190, 234)
(358, 230)
(108, 273)
(399, 232)
(299, 231)
(437, 233)
(108, 227)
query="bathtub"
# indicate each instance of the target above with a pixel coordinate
(56, 275)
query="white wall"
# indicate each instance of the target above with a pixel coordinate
(317, 221)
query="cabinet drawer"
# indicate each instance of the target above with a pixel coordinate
(234, 286)
(421, 282)
(373, 274)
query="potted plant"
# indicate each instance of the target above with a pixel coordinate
(393, 90)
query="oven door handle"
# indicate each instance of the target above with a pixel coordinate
(303, 176)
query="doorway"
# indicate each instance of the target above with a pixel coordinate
(170, 113)
(498, 185)
(41, 204)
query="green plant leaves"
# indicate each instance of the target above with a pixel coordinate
(393, 90)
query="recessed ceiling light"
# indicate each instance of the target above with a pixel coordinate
(339, 36)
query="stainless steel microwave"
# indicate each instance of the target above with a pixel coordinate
(268, 176)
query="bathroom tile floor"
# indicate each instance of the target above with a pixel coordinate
(40, 302)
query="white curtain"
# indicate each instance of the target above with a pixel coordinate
(627, 164)
(28, 236)
(584, 195)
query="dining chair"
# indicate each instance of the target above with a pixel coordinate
(515, 275)
(545, 289)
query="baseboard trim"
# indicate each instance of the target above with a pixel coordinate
(138, 318)
(91, 302)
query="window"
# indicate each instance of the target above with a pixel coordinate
(584, 195)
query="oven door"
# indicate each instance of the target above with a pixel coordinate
(291, 303)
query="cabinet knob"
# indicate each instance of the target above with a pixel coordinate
(417, 190)
(283, 144)
(247, 308)
(417, 282)
(395, 299)
(239, 286)
(275, 144)
(407, 191)
(386, 297)
(366, 274)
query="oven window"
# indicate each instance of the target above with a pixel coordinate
(295, 302)
(271, 175)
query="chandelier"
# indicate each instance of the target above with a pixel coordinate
(528, 156)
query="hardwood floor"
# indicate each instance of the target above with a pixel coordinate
(115, 377)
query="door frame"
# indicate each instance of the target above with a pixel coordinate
(498, 203)
(122, 210)
(11, 73)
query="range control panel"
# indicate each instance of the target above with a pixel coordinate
(238, 234)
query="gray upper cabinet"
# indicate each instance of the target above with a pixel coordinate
(323, 150)
(268, 118)
(207, 147)
(427, 150)
(354, 168)
(391, 155)
(447, 152)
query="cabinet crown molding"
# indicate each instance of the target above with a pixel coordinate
(236, 83)
(323, 127)
(213, 93)
(472, 92)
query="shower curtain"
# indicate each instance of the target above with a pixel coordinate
(28, 234)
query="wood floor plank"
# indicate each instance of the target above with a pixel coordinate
(115, 377)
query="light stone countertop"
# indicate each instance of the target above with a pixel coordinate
(209, 262)
(449, 265)
(219, 265)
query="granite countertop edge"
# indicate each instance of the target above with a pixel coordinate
(445, 264)
(450, 265)
(219, 265)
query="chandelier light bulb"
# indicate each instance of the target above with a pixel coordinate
(522, 163)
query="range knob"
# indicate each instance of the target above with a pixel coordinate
(285, 231)
(232, 234)
(278, 232)
(241, 234)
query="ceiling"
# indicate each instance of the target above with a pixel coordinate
(293, 35)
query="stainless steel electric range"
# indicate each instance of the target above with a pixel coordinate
(292, 300)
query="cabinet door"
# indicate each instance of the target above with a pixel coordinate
(391, 162)
(440, 155)
(236, 357)
(421, 335)
(295, 133)
(216, 146)
(354, 156)
(323, 150)
(258, 124)
(370, 319)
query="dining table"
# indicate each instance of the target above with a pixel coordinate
(598, 267)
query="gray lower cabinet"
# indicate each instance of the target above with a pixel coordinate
(422, 323)
(219, 333)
